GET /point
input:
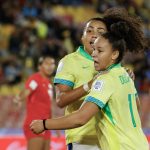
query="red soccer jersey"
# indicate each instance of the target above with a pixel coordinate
(39, 101)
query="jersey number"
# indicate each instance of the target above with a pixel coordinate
(131, 97)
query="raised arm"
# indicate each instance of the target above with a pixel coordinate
(64, 83)
(131, 73)
(29, 86)
(22, 95)
(66, 95)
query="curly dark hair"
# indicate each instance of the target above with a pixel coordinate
(135, 40)
(117, 37)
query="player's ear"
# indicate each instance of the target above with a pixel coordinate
(82, 38)
(115, 55)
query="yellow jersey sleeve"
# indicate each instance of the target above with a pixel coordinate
(101, 91)
(64, 74)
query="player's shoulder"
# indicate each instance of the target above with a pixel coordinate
(68, 59)
(101, 81)
(70, 56)
(34, 76)
(104, 74)
(105, 77)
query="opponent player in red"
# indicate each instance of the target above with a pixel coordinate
(38, 94)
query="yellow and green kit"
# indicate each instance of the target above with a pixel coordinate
(74, 70)
(118, 123)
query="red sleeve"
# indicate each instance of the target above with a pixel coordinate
(31, 83)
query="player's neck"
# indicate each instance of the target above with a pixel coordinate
(43, 75)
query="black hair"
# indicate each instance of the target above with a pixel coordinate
(124, 31)
(95, 19)
(117, 37)
(42, 58)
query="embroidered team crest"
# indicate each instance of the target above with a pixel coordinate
(60, 66)
(98, 85)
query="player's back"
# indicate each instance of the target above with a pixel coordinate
(120, 126)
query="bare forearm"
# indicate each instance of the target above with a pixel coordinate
(74, 120)
(67, 97)
(24, 94)
(67, 122)
(21, 96)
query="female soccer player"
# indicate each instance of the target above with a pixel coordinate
(72, 82)
(73, 71)
(112, 98)
(38, 95)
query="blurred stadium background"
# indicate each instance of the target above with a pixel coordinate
(30, 28)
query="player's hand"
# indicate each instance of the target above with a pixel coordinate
(95, 77)
(91, 81)
(37, 126)
(17, 100)
(131, 73)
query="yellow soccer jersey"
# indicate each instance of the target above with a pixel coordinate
(119, 126)
(74, 70)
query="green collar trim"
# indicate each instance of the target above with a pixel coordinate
(113, 66)
(84, 53)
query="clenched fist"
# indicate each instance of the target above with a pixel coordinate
(37, 126)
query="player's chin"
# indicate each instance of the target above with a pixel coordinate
(97, 68)
(48, 73)
(90, 48)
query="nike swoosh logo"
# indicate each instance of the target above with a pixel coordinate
(84, 67)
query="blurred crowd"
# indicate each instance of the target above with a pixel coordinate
(31, 28)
